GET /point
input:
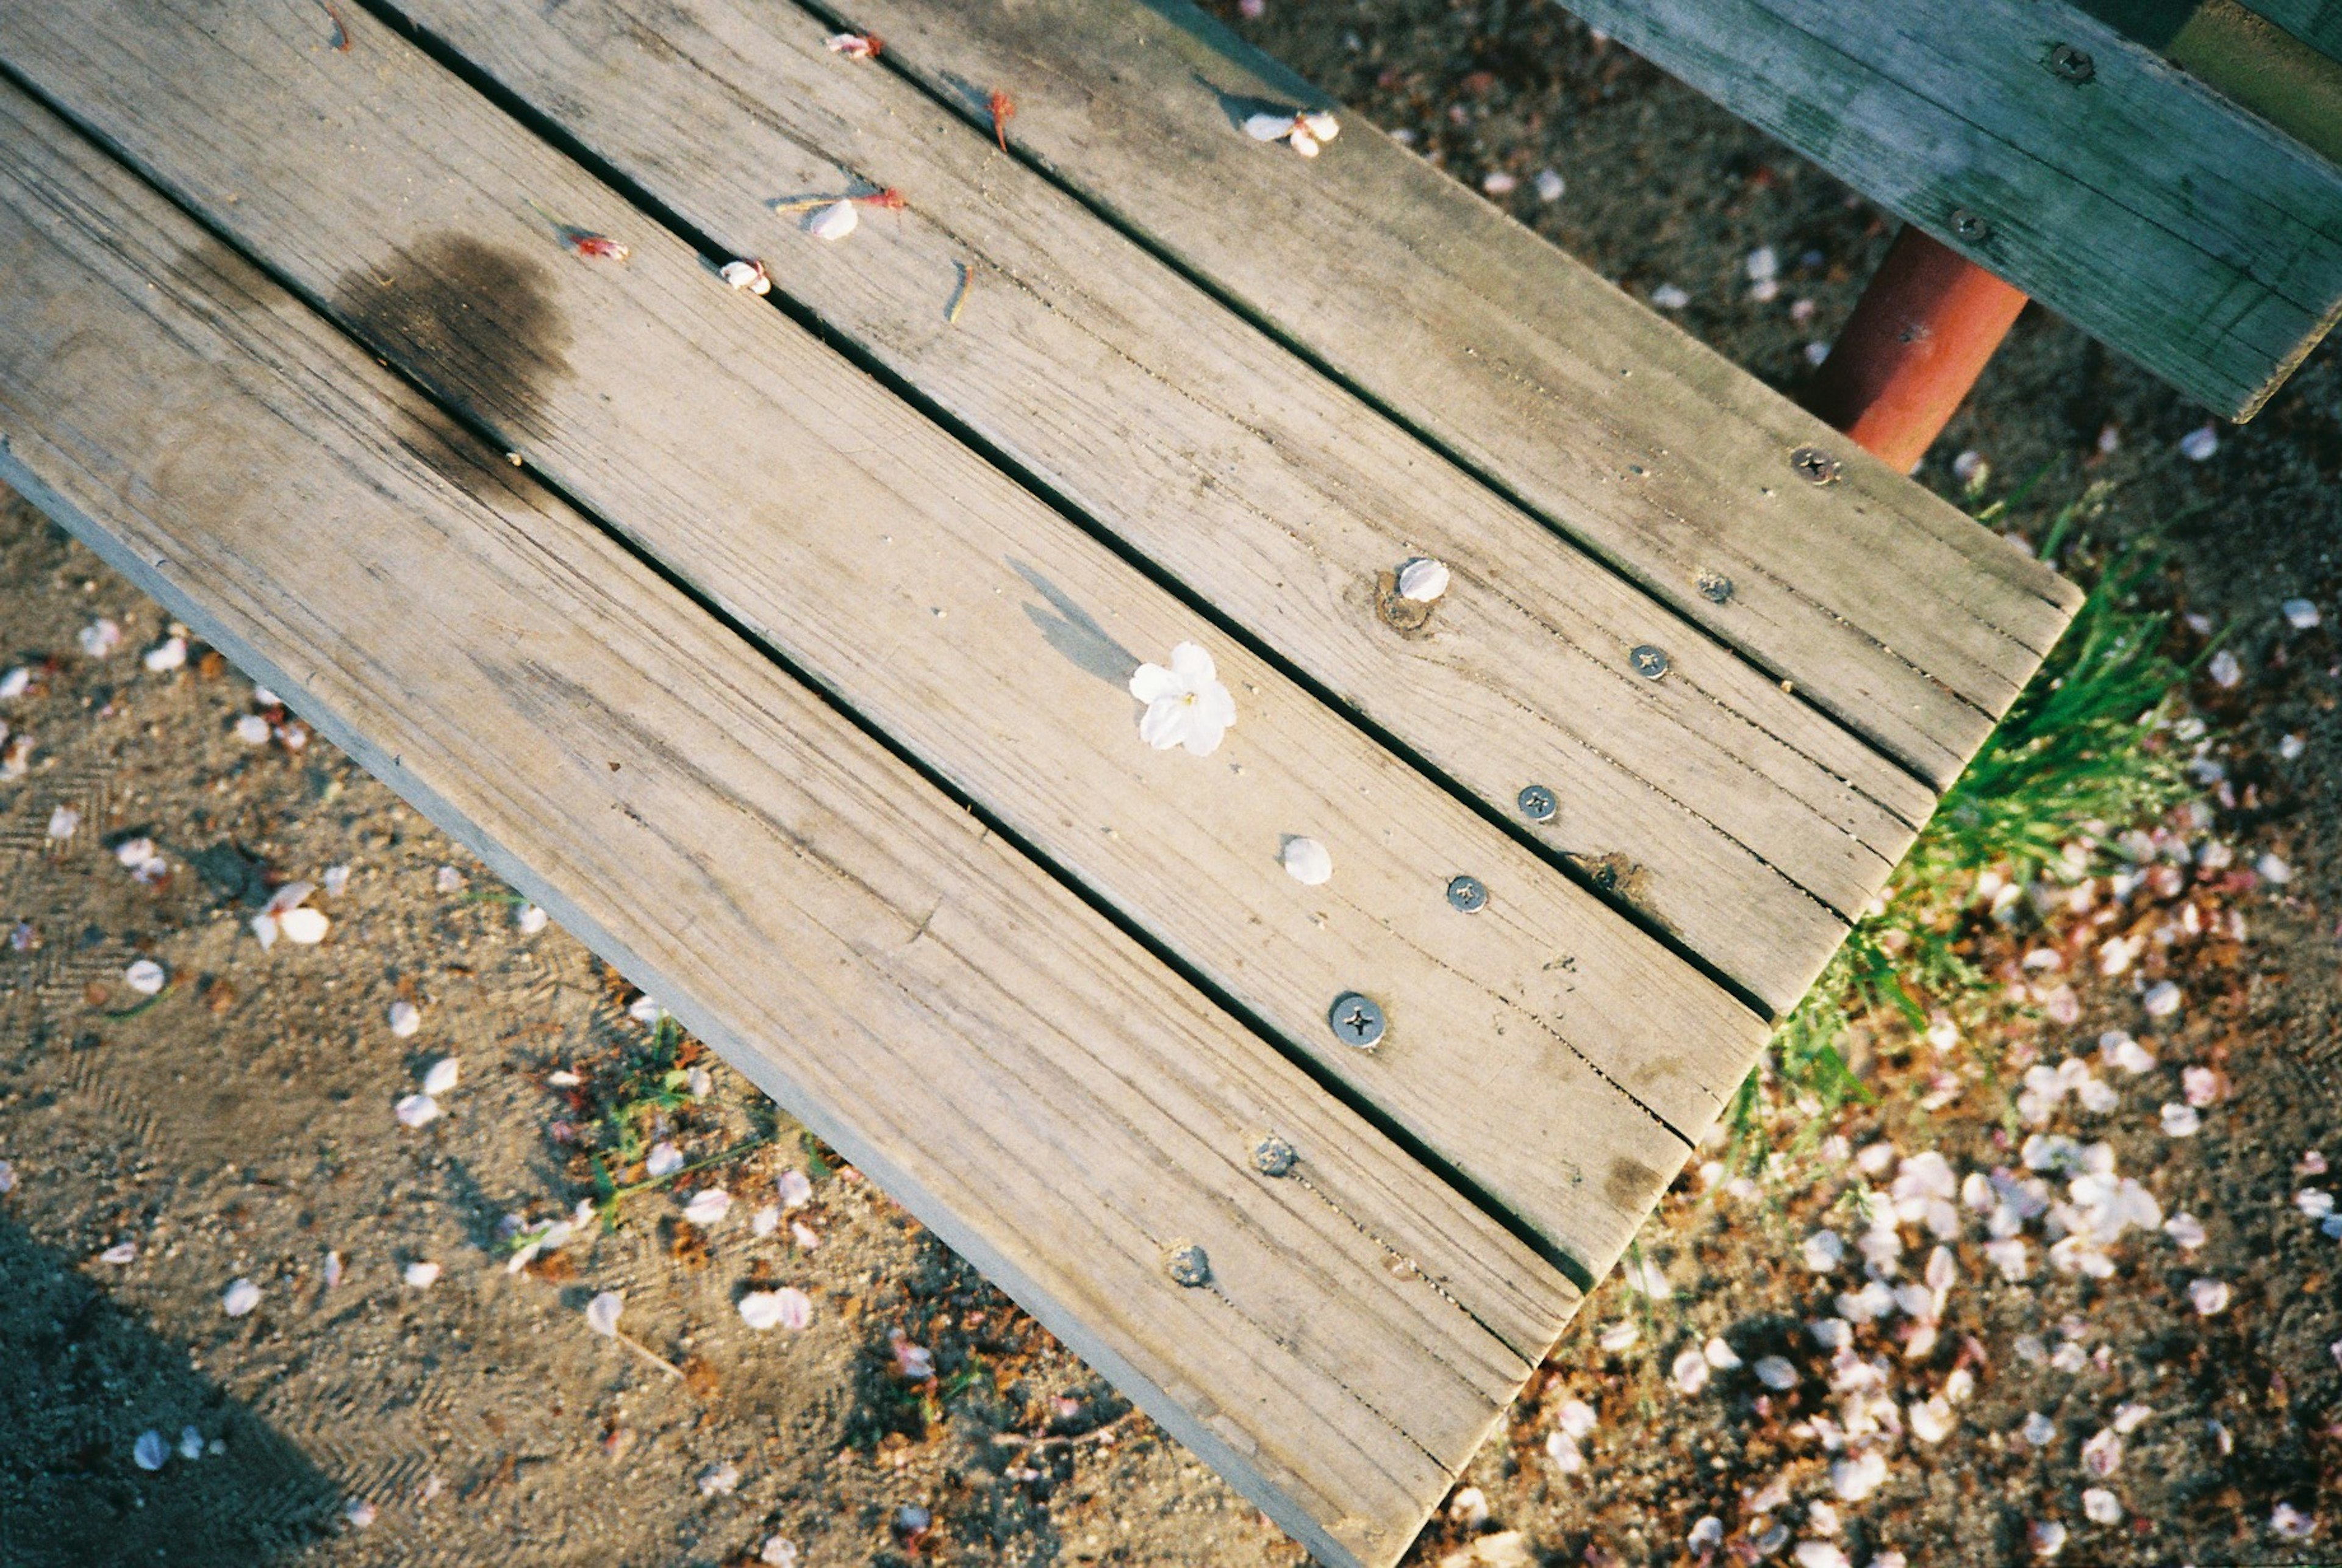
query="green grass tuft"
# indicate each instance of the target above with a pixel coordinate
(2084, 754)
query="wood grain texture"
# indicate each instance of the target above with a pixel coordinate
(1882, 604)
(1753, 825)
(1018, 1074)
(2142, 205)
(970, 624)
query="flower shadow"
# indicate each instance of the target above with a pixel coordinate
(1075, 633)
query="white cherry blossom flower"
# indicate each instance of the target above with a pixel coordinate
(421, 1275)
(707, 1205)
(2048, 1537)
(416, 1110)
(787, 1307)
(441, 1075)
(1690, 1372)
(795, 1188)
(241, 1297)
(1306, 860)
(1576, 1418)
(1618, 1337)
(602, 1313)
(1186, 705)
(2181, 1121)
(2292, 1524)
(1778, 1373)
(1305, 133)
(833, 221)
(150, 1452)
(119, 1252)
(1857, 1475)
(1563, 1450)
(1720, 1355)
(750, 275)
(406, 1018)
(1423, 580)
(145, 976)
(665, 1160)
(2209, 1297)
(2101, 1506)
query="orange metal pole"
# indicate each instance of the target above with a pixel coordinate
(1915, 346)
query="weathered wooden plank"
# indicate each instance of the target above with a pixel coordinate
(1020, 1074)
(1752, 823)
(2138, 204)
(971, 625)
(1882, 604)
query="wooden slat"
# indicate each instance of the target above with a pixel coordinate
(971, 625)
(2140, 204)
(1882, 604)
(1753, 822)
(1020, 1074)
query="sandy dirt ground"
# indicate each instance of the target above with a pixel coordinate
(2142, 1400)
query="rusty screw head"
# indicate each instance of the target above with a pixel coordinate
(1714, 587)
(1187, 1265)
(1970, 226)
(1814, 465)
(2071, 65)
(1273, 1157)
(1536, 803)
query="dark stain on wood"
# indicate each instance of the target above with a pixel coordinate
(1632, 1184)
(474, 324)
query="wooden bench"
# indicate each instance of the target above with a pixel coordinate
(2162, 172)
(782, 647)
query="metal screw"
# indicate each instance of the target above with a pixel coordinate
(1356, 1020)
(1814, 465)
(1650, 663)
(1536, 803)
(1187, 1265)
(2074, 64)
(1970, 226)
(1467, 893)
(1273, 1157)
(1714, 587)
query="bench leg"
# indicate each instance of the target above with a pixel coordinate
(1915, 346)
